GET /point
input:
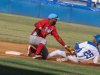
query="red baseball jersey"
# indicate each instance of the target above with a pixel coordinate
(49, 29)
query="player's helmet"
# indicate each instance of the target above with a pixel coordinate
(53, 16)
(97, 37)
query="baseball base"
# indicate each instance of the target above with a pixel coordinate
(13, 53)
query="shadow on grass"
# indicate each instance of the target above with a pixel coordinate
(5, 70)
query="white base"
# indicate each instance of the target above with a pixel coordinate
(13, 53)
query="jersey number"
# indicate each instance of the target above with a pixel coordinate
(88, 54)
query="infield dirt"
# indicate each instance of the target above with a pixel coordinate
(6, 46)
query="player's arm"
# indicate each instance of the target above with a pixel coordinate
(96, 59)
(56, 53)
(58, 38)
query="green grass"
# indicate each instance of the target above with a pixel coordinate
(26, 66)
(14, 28)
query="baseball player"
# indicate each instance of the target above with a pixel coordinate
(83, 52)
(37, 39)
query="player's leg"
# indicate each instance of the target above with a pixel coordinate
(30, 50)
(30, 46)
(44, 52)
(35, 40)
(40, 42)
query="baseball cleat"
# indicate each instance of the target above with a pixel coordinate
(37, 57)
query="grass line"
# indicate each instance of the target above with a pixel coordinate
(49, 67)
(35, 66)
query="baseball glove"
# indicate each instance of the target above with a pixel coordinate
(70, 50)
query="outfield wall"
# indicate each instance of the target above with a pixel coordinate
(41, 9)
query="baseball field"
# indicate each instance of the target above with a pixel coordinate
(14, 34)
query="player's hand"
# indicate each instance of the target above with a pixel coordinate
(69, 49)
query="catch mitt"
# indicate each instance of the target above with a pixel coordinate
(70, 50)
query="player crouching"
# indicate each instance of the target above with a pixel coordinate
(83, 52)
(31, 50)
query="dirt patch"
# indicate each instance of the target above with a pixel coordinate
(5, 46)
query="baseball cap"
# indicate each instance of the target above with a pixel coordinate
(53, 16)
(97, 37)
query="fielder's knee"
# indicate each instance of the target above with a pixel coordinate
(45, 56)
